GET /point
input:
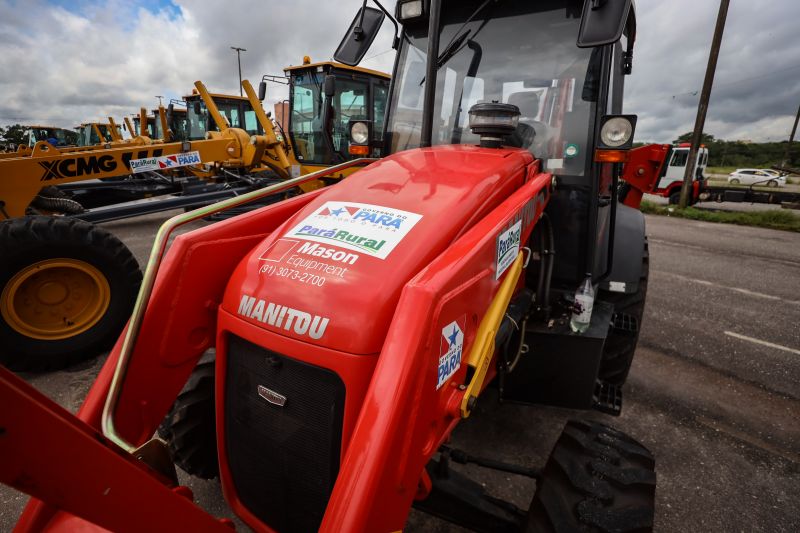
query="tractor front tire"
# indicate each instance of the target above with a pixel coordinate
(190, 426)
(67, 287)
(597, 479)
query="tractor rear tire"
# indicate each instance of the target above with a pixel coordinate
(190, 426)
(596, 479)
(619, 348)
(67, 287)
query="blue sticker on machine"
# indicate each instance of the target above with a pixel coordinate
(451, 346)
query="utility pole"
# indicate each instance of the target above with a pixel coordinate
(791, 140)
(239, 60)
(702, 107)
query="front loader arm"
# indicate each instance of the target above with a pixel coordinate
(50, 454)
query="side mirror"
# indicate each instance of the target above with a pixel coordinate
(602, 22)
(330, 85)
(170, 111)
(124, 126)
(262, 90)
(359, 36)
(197, 108)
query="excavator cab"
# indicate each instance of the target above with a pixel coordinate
(94, 133)
(236, 110)
(61, 136)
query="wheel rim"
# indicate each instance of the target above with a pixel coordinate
(55, 299)
(735, 181)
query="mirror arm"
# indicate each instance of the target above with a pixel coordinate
(357, 31)
(396, 36)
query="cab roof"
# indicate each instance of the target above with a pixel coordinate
(218, 95)
(338, 66)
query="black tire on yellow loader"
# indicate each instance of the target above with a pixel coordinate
(597, 479)
(67, 287)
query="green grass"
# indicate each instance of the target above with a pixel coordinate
(782, 220)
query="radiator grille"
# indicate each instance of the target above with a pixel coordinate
(283, 460)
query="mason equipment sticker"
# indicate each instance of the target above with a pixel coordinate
(368, 229)
(451, 345)
(165, 162)
(507, 248)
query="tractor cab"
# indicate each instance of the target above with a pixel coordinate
(323, 98)
(57, 136)
(565, 80)
(236, 110)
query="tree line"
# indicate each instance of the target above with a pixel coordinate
(745, 154)
(12, 134)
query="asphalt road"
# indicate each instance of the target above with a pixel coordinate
(714, 391)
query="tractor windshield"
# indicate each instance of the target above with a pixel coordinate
(505, 52)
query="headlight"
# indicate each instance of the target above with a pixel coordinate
(359, 133)
(410, 10)
(616, 132)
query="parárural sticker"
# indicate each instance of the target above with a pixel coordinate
(165, 162)
(507, 248)
(368, 229)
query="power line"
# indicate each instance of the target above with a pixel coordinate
(734, 82)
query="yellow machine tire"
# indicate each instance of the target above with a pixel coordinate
(67, 287)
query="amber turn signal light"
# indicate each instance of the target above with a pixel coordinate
(611, 156)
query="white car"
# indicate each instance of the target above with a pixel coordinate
(757, 176)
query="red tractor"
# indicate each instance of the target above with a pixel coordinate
(355, 326)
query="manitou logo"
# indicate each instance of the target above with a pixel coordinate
(283, 317)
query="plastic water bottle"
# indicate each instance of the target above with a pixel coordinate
(584, 302)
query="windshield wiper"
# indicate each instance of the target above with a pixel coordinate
(451, 49)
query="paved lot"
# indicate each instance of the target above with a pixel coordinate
(714, 390)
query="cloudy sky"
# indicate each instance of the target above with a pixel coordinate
(67, 61)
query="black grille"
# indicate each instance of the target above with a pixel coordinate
(283, 460)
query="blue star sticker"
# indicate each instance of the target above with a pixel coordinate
(337, 212)
(453, 336)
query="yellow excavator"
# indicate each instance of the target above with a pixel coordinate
(67, 286)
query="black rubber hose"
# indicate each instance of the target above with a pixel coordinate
(59, 205)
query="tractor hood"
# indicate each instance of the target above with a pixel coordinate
(333, 273)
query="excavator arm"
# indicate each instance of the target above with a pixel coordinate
(24, 177)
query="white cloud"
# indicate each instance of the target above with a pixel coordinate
(109, 57)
